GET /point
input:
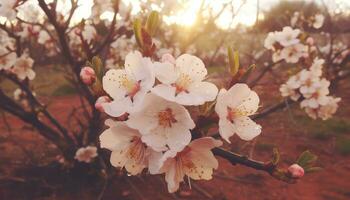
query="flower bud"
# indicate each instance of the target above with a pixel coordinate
(310, 41)
(296, 171)
(168, 58)
(87, 75)
(100, 101)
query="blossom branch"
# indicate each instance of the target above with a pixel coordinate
(269, 167)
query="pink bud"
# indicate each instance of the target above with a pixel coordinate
(87, 75)
(168, 58)
(296, 171)
(310, 41)
(100, 101)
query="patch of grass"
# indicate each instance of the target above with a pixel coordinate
(63, 90)
(343, 145)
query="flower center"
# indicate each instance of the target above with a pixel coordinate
(182, 83)
(166, 118)
(131, 86)
(235, 113)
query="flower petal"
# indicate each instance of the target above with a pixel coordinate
(165, 72)
(119, 158)
(246, 128)
(118, 107)
(111, 82)
(117, 137)
(226, 129)
(192, 66)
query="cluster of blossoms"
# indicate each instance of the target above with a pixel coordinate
(118, 50)
(156, 132)
(314, 91)
(9, 62)
(339, 51)
(82, 37)
(7, 9)
(315, 21)
(286, 44)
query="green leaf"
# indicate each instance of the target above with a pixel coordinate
(97, 65)
(152, 23)
(138, 32)
(312, 169)
(233, 60)
(306, 159)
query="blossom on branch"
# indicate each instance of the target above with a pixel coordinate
(86, 154)
(7, 9)
(7, 59)
(23, 67)
(286, 45)
(128, 86)
(234, 108)
(128, 150)
(163, 124)
(314, 90)
(182, 81)
(195, 161)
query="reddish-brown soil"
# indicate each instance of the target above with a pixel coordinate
(283, 130)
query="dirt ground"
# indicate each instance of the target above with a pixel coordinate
(288, 130)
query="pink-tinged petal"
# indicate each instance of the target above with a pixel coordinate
(250, 104)
(192, 66)
(188, 99)
(198, 93)
(165, 72)
(236, 94)
(154, 162)
(30, 74)
(168, 58)
(182, 116)
(138, 67)
(221, 104)
(165, 91)
(111, 82)
(117, 108)
(155, 140)
(202, 166)
(206, 90)
(204, 143)
(178, 138)
(172, 177)
(226, 129)
(134, 168)
(119, 158)
(246, 128)
(117, 137)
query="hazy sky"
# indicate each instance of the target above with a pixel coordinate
(186, 16)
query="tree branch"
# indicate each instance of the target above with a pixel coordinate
(269, 167)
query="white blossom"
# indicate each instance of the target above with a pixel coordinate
(163, 124)
(7, 9)
(7, 59)
(86, 154)
(318, 21)
(182, 82)
(23, 67)
(234, 108)
(128, 86)
(195, 161)
(128, 150)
